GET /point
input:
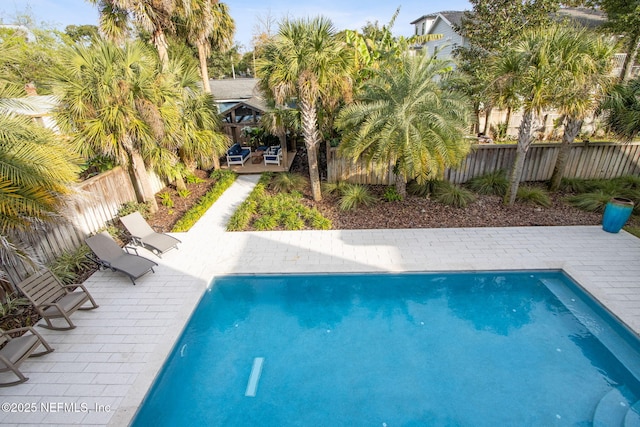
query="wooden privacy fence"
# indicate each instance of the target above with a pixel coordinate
(95, 202)
(590, 160)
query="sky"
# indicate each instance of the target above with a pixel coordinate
(349, 14)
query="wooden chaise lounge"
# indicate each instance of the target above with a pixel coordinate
(54, 300)
(17, 350)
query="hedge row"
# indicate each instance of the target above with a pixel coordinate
(224, 180)
(242, 216)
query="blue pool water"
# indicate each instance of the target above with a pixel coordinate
(468, 349)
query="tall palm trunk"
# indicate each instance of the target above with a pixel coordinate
(282, 136)
(525, 138)
(571, 130)
(204, 72)
(311, 140)
(475, 127)
(159, 40)
(140, 178)
(632, 53)
(487, 115)
(401, 180)
(507, 120)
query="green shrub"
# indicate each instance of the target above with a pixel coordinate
(12, 304)
(292, 221)
(266, 222)
(242, 216)
(184, 193)
(224, 179)
(287, 182)
(573, 185)
(607, 186)
(453, 195)
(534, 195)
(318, 221)
(355, 195)
(391, 194)
(594, 194)
(68, 265)
(113, 231)
(283, 210)
(278, 204)
(131, 207)
(495, 183)
(425, 189)
(192, 179)
(591, 202)
(166, 200)
(333, 187)
(631, 182)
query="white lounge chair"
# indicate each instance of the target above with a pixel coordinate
(273, 156)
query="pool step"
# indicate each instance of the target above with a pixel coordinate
(613, 407)
(632, 419)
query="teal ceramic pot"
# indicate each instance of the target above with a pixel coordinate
(616, 214)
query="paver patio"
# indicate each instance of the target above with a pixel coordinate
(113, 355)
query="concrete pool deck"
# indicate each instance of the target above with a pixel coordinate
(100, 371)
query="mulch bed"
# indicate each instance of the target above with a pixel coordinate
(166, 218)
(485, 211)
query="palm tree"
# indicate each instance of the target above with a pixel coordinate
(36, 170)
(586, 62)
(504, 93)
(621, 109)
(206, 25)
(114, 102)
(306, 62)
(406, 116)
(540, 68)
(152, 16)
(201, 143)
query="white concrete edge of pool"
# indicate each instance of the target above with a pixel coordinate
(114, 354)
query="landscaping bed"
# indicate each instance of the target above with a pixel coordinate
(485, 211)
(167, 216)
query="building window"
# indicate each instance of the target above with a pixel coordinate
(424, 26)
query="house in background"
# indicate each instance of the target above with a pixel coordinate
(441, 23)
(240, 105)
(446, 22)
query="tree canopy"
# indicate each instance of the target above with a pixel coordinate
(409, 117)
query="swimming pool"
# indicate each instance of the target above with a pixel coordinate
(497, 348)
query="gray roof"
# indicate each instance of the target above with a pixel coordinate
(589, 18)
(453, 16)
(234, 89)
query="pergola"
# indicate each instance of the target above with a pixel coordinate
(241, 115)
